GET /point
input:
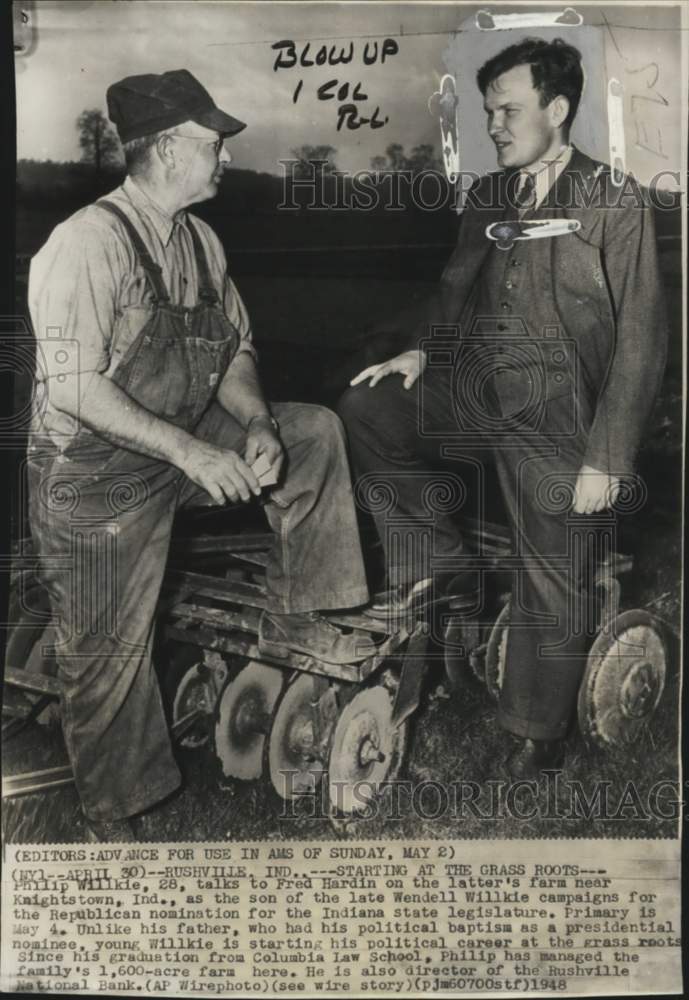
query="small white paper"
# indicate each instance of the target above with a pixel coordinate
(264, 471)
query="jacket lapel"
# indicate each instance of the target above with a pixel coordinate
(573, 194)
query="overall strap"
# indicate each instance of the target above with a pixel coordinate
(153, 271)
(207, 291)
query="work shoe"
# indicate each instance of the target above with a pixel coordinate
(532, 757)
(110, 831)
(309, 632)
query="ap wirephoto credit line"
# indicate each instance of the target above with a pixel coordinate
(344, 631)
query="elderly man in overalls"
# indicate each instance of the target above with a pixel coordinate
(150, 400)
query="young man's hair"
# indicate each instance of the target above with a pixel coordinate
(555, 70)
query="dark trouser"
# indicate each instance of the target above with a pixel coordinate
(551, 616)
(102, 533)
(393, 458)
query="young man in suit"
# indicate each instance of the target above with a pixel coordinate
(572, 322)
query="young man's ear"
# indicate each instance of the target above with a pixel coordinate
(559, 109)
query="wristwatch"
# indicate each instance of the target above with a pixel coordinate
(264, 416)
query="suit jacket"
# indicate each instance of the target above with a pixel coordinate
(607, 287)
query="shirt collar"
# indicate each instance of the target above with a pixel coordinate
(547, 175)
(159, 219)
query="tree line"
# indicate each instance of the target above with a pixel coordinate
(101, 168)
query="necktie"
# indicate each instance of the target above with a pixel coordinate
(526, 196)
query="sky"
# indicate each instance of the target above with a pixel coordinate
(83, 47)
(80, 47)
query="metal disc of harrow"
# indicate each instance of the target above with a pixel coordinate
(623, 681)
(293, 764)
(195, 693)
(496, 651)
(190, 679)
(366, 751)
(244, 711)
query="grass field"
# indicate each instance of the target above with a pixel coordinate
(453, 740)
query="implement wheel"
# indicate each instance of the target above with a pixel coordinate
(624, 680)
(189, 684)
(366, 751)
(496, 651)
(293, 760)
(243, 720)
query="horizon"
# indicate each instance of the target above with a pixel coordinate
(81, 48)
(356, 77)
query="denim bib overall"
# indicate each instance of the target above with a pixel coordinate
(101, 517)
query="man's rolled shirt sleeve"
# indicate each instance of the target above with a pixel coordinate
(236, 312)
(72, 296)
(637, 362)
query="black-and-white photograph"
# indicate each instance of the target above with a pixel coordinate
(346, 457)
(348, 440)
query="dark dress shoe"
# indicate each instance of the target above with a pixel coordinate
(397, 602)
(408, 598)
(532, 757)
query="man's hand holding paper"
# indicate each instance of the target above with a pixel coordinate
(264, 452)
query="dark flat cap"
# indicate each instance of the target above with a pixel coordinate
(140, 105)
